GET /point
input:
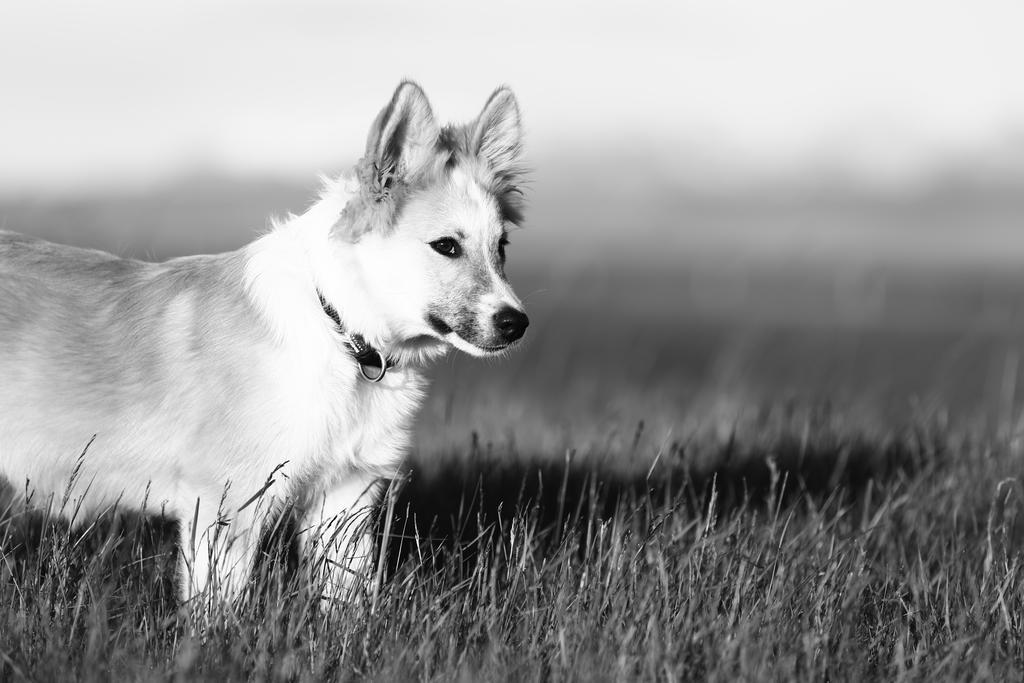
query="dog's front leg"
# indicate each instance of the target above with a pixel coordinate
(217, 551)
(338, 537)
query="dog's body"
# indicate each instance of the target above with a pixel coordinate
(218, 389)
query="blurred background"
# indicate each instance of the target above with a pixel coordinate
(735, 207)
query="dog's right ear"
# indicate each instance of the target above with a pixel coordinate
(401, 139)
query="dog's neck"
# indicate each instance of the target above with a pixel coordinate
(373, 365)
(288, 271)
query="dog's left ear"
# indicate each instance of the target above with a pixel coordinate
(498, 133)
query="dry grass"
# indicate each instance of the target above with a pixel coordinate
(810, 556)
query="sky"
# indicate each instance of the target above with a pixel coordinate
(121, 93)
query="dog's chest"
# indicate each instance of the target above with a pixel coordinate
(338, 422)
(373, 432)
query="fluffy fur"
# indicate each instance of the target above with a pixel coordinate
(214, 388)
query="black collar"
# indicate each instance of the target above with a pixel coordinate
(363, 353)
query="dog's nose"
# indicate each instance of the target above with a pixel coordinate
(510, 323)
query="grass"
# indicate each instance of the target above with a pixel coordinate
(812, 554)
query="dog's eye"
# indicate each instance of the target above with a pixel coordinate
(446, 246)
(502, 243)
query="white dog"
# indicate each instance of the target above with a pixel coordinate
(282, 376)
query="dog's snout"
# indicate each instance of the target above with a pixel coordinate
(511, 323)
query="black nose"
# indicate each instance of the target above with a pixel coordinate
(510, 323)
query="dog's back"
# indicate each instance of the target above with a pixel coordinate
(41, 282)
(92, 344)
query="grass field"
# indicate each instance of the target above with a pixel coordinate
(693, 470)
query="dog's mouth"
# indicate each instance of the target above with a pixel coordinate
(441, 327)
(492, 349)
(449, 335)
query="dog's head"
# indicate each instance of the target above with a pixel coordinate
(429, 228)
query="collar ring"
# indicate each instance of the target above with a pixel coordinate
(383, 368)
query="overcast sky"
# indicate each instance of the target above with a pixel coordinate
(126, 92)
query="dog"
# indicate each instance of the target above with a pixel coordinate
(279, 379)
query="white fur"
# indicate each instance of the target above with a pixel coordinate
(224, 403)
(216, 389)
